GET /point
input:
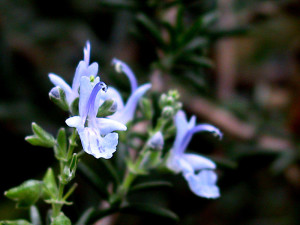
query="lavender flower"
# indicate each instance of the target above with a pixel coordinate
(83, 69)
(125, 113)
(95, 133)
(197, 170)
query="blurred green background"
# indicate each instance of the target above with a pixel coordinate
(236, 64)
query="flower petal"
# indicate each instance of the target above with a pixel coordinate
(75, 121)
(58, 81)
(198, 162)
(121, 66)
(115, 95)
(177, 164)
(127, 113)
(85, 92)
(78, 74)
(203, 184)
(86, 53)
(108, 125)
(182, 127)
(109, 145)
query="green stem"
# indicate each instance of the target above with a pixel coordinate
(56, 207)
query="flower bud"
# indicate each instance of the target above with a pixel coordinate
(58, 96)
(168, 112)
(157, 141)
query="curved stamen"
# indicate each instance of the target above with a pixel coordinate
(199, 128)
(91, 102)
(122, 67)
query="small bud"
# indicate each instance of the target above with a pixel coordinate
(58, 96)
(157, 141)
(168, 112)
(118, 67)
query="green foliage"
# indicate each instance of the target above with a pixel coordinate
(15, 222)
(50, 186)
(40, 137)
(61, 220)
(26, 194)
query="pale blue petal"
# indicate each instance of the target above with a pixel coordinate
(109, 144)
(121, 66)
(108, 125)
(75, 121)
(85, 92)
(199, 128)
(182, 127)
(113, 94)
(58, 81)
(91, 70)
(86, 53)
(78, 74)
(203, 184)
(97, 146)
(127, 113)
(198, 162)
(177, 164)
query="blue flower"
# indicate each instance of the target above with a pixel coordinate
(83, 69)
(197, 170)
(95, 133)
(125, 113)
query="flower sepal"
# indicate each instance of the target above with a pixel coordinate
(107, 108)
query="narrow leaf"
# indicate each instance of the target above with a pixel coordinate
(36, 141)
(93, 178)
(14, 222)
(150, 209)
(42, 134)
(151, 28)
(149, 185)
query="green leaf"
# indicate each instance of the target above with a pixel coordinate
(146, 108)
(14, 222)
(119, 4)
(111, 169)
(149, 209)
(26, 194)
(94, 179)
(149, 185)
(62, 141)
(35, 216)
(42, 134)
(61, 220)
(200, 61)
(40, 137)
(152, 29)
(83, 219)
(50, 186)
(36, 141)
